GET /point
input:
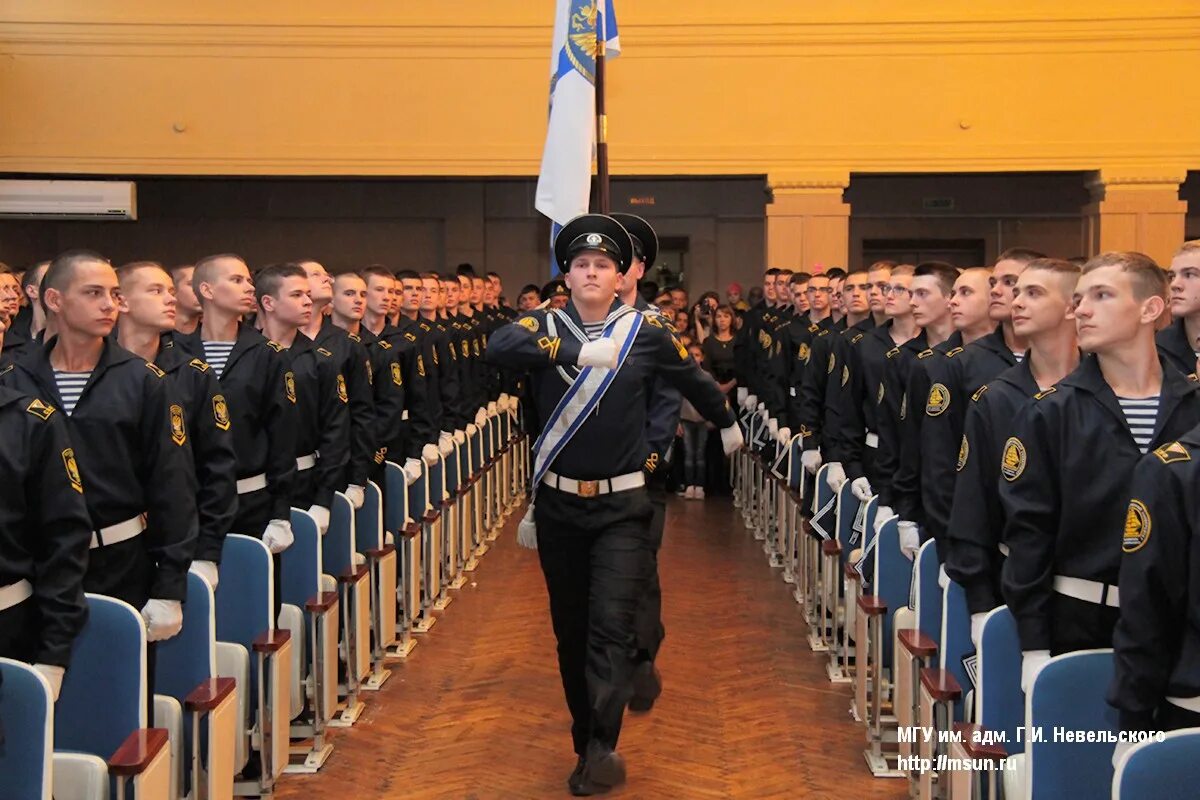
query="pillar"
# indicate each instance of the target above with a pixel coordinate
(1135, 209)
(808, 222)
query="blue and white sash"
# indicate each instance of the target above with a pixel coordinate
(585, 390)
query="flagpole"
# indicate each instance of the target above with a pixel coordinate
(601, 118)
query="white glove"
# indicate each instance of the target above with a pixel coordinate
(977, 629)
(429, 454)
(471, 429)
(1032, 662)
(600, 353)
(811, 461)
(836, 476)
(412, 471)
(446, 444)
(207, 570)
(910, 537)
(493, 410)
(53, 676)
(742, 394)
(480, 418)
(861, 489)
(882, 515)
(1119, 751)
(460, 436)
(164, 619)
(785, 436)
(278, 535)
(732, 439)
(751, 402)
(773, 428)
(357, 495)
(321, 515)
(527, 530)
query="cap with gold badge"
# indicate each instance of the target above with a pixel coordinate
(595, 232)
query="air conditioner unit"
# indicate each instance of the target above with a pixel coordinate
(100, 200)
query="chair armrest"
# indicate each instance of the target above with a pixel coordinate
(321, 602)
(411, 531)
(941, 685)
(271, 641)
(872, 605)
(209, 694)
(354, 574)
(430, 517)
(850, 572)
(381, 552)
(917, 643)
(137, 751)
(976, 744)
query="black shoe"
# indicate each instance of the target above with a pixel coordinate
(602, 770)
(647, 686)
(573, 782)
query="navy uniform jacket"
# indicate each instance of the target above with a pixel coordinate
(892, 405)
(747, 346)
(662, 413)
(793, 346)
(866, 355)
(210, 428)
(1157, 639)
(976, 524)
(354, 364)
(958, 377)
(260, 391)
(908, 484)
(323, 422)
(824, 367)
(404, 435)
(1174, 347)
(611, 441)
(1066, 470)
(131, 445)
(44, 525)
(441, 375)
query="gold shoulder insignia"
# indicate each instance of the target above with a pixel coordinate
(7, 369)
(199, 364)
(39, 409)
(824, 332)
(925, 354)
(1137, 527)
(855, 339)
(952, 352)
(425, 326)
(385, 345)
(939, 400)
(408, 335)
(1046, 393)
(324, 352)
(652, 318)
(354, 337)
(276, 346)
(1173, 452)
(1012, 463)
(979, 393)
(158, 373)
(893, 352)
(813, 327)
(651, 463)
(178, 431)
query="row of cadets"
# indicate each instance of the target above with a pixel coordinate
(1042, 319)
(126, 453)
(813, 316)
(1070, 456)
(755, 343)
(592, 512)
(1156, 685)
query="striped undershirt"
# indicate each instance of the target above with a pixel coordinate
(217, 355)
(593, 330)
(1140, 416)
(1020, 357)
(70, 387)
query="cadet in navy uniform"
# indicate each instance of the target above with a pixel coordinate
(1156, 683)
(1177, 343)
(260, 392)
(44, 536)
(592, 512)
(130, 442)
(1041, 317)
(147, 319)
(1064, 498)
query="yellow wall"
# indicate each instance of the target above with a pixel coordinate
(797, 90)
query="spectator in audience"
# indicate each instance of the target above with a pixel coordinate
(718, 349)
(694, 430)
(665, 304)
(529, 298)
(682, 321)
(756, 296)
(702, 314)
(679, 298)
(733, 297)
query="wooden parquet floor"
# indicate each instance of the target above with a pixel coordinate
(477, 712)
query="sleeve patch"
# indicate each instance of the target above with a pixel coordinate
(529, 323)
(72, 468)
(343, 395)
(220, 412)
(964, 452)
(1012, 463)
(939, 400)
(397, 374)
(289, 386)
(178, 429)
(1137, 527)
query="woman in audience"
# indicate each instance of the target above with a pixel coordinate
(683, 322)
(695, 440)
(718, 349)
(703, 315)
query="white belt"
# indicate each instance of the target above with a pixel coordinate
(1087, 591)
(252, 484)
(306, 462)
(15, 594)
(621, 483)
(873, 440)
(404, 415)
(115, 534)
(1003, 548)
(1187, 703)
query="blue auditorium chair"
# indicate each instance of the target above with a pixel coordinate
(27, 720)
(378, 548)
(1166, 770)
(399, 522)
(341, 559)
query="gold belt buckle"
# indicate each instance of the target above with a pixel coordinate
(589, 488)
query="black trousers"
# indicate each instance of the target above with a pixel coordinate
(19, 627)
(1080, 625)
(650, 630)
(597, 558)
